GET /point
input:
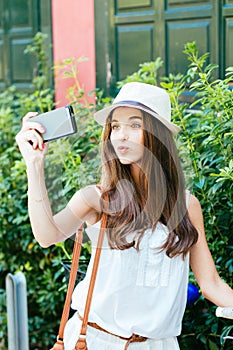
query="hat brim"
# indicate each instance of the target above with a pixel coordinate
(101, 116)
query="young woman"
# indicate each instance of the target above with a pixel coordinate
(154, 227)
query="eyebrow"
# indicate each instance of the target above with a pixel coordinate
(130, 118)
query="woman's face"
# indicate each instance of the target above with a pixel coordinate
(127, 134)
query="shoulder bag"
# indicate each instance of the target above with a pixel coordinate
(81, 343)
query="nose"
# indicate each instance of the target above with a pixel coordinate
(123, 134)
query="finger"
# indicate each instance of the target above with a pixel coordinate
(28, 116)
(41, 144)
(28, 135)
(45, 147)
(29, 125)
(32, 137)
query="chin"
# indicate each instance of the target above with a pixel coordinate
(125, 161)
(129, 161)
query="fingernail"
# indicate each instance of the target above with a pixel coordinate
(43, 146)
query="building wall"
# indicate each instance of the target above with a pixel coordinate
(73, 36)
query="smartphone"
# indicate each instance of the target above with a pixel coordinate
(58, 123)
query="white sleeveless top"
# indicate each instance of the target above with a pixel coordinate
(142, 292)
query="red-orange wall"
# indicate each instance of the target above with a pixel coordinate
(73, 36)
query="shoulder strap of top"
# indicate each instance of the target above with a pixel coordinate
(98, 189)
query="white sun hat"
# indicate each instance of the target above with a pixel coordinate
(149, 98)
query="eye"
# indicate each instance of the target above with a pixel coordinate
(115, 126)
(136, 125)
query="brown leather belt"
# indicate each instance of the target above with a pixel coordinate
(133, 339)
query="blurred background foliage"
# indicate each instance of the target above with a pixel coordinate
(205, 146)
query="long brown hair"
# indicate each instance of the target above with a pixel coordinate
(160, 198)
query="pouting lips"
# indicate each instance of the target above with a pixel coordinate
(122, 149)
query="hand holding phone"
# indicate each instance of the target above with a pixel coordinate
(58, 123)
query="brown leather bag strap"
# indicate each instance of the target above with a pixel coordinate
(73, 273)
(94, 273)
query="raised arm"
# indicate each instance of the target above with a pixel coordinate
(48, 228)
(202, 264)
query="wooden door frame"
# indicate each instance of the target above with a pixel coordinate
(102, 44)
(217, 11)
(42, 21)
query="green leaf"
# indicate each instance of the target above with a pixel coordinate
(212, 345)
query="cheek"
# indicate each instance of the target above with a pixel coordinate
(141, 143)
(113, 142)
(111, 138)
(141, 138)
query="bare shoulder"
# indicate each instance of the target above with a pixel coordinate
(92, 194)
(86, 202)
(195, 212)
(193, 203)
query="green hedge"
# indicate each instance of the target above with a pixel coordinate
(205, 145)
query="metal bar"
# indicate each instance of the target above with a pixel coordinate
(17, 313)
